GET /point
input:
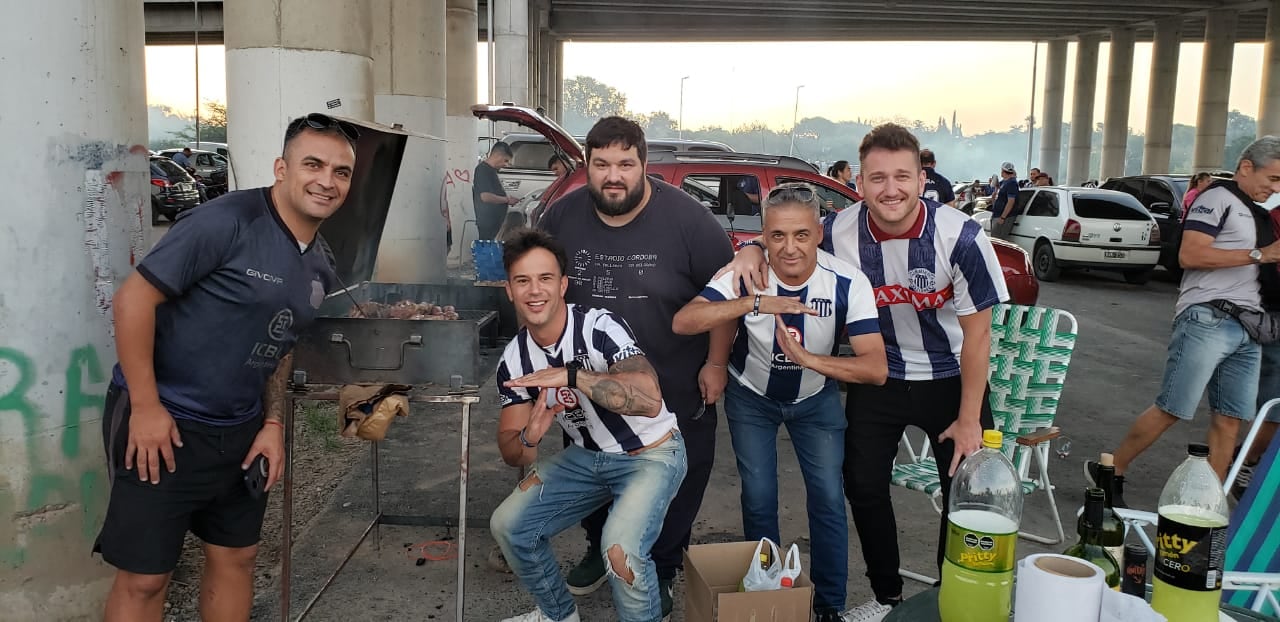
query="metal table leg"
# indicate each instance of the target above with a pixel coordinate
(286, 527)
(463, 468)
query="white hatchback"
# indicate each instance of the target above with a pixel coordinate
(1065, 228)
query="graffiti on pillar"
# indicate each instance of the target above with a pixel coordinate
(55, 496)
(455, 181)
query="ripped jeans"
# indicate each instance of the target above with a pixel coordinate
(564, 488)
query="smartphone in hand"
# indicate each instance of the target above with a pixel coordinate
(255, 479)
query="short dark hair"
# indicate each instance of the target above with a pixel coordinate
(519, 242)
(617, 131)
(321, 124)
(556, 158)
(891, 137)
(501, 147)
(927, 157)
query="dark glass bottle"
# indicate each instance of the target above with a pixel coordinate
(1090, 547)
(1112, 525)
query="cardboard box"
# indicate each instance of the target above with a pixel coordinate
(712, 573)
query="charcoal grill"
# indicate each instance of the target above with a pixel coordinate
(339, 350)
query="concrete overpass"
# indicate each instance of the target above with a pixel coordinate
(170, 21)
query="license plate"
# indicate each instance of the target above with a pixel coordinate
(1115, 254)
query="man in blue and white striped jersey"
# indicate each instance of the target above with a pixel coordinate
(581, 368)
(783, 370)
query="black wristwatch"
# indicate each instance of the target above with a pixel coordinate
(754, 243)
(573, 376)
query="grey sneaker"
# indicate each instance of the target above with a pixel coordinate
(870, 611)
(1243, 478)
(588, 575)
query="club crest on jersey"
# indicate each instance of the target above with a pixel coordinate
(922, 280)
(568, 397)
(822, 305)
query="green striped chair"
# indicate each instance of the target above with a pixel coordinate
(1030, 351)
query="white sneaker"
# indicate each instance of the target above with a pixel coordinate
(871, 611)
(537, 616)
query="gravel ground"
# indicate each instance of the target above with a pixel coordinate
(321, 458)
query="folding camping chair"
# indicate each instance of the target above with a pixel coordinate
(1252, 570)
(1030, 351)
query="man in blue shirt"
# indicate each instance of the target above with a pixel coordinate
(781, 371)
(936, 187)
(1002, 211)
(203, 330)
(184, 158)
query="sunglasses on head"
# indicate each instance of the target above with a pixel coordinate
(317, 121)
(792, 192)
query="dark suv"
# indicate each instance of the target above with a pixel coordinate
(173, 190)
(1162, 196)
(723, 181)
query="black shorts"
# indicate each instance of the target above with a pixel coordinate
(146, 523)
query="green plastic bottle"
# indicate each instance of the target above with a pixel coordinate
(1191, 541)
(982, 529)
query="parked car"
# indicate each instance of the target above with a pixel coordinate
(173, 190)
(528, 172)
(204, 162)
(1067, 228)
(1162, 196)
(713, 179)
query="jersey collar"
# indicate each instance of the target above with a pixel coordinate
(275, 215)
(916, 230)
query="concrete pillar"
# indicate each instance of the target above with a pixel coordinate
(1078, 150)
(461, 36)
(511, 55)
(409, 90)
(1215, 87)
(1115, 129)
(75, 163)
(1160, 96)
(1269, 106)
(1055, 87)
(285, 60)
(557, 79)
(544, 70)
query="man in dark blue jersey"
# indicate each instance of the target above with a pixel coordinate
(203, 332)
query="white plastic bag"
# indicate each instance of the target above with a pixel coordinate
(790, 568)
(764, 572)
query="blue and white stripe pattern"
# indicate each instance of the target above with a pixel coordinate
(923, 283)
(844, 301)
(594, 339)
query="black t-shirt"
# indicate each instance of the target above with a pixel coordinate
(937, 187)
(646, 271)
(486, 180)
(239, 291)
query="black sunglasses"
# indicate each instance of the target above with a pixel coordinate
(792, 192)
(317, 121)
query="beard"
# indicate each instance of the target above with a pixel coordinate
(624, 205)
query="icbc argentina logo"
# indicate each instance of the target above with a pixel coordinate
(568, 397)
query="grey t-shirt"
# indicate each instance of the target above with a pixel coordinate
(1221, 214)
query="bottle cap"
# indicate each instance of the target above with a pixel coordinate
(786, 581)
(992, 439)
(1135, 551)
(1199, 450)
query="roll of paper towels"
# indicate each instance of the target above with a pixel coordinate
(1057, 588)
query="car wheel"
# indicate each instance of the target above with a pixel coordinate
(1137, 277)
(155, 213)
(1045, 264)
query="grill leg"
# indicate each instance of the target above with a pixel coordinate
(377, 499)
(463, 468)
(286, 527)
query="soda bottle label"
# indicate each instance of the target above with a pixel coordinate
(980, 551)
(1188, 556)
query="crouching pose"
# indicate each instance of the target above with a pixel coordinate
(582, 369)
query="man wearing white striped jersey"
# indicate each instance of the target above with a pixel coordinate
(582, 369)
(936, 278)
(782, 371)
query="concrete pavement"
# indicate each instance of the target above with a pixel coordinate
(1114, 374)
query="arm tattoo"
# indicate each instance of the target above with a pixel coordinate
(622, 398)
(277, 385)
(634, 364)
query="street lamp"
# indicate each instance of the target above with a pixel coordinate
(794, 117)
(682, 106)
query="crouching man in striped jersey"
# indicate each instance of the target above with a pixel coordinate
(580, 368)
(782, 372)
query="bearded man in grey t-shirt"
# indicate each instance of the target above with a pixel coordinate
(1225, 238)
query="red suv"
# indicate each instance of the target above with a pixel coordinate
(725, 183)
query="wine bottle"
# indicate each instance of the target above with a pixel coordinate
(1112, 526)
(1089, 547)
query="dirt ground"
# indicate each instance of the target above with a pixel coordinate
(321, 458)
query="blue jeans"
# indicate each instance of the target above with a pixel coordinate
(816, 425)
(1210, 349)
(564, 488)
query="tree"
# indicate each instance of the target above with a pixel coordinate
(660, 125)
(213, 124)
(587, 100)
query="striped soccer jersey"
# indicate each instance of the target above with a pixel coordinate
(594, 339)
(842, 297)
(924, 280)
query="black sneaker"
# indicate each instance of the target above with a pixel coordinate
(665, 595)
(1243, 478)
(827, 615)
(1117, 495)
(1091, 472)
(588, 575)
